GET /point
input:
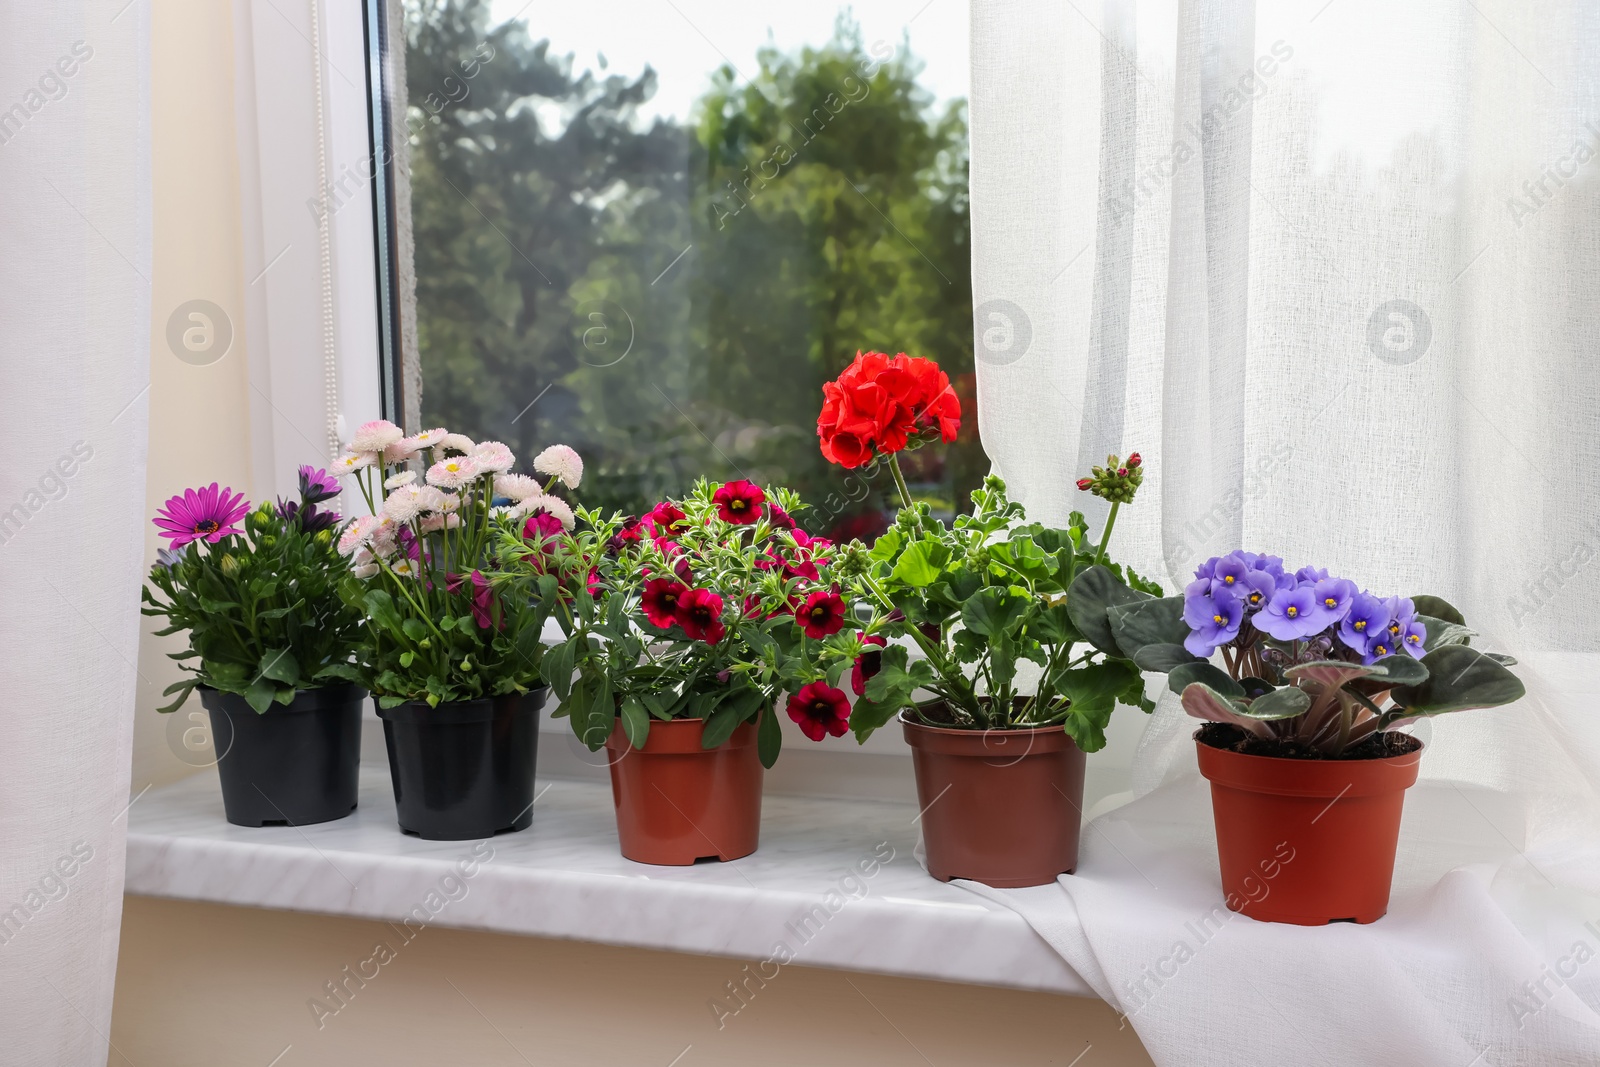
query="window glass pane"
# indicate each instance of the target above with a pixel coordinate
(653, 230)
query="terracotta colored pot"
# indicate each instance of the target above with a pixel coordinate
(678, 802)
(1001, 807)
(1307, 841)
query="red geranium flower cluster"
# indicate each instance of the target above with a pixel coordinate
(881, 403)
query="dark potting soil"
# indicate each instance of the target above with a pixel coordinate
(1231, 738)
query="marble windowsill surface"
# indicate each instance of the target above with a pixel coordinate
(565, 878)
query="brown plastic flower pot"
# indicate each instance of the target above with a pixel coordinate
(677, 802)
(1305, 841)
(1001, 807)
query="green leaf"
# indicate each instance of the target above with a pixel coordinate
(1213, 677)
(869, 715)
(260, 693)
(1203, 702)
(721, 724)
(1093, 593)
(769, 737)
(1285, 703)
(919, 565)
(635, 721)
(1438, 608)
(183, 689)
(1328, 673)
(414, 628)
(1148, 622)
(1442, 632)
(407, 658)
(1163, 658)
(1459, 678)
(1092, 693)
(1398, 670)
(992, 612)
(556, 670)
(280, 665)
(1052, 624)
(379, 606)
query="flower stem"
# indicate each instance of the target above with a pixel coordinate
(1105, 535)
(899, 480)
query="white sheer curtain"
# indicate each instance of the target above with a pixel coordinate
(74, 363)
(1333, 268)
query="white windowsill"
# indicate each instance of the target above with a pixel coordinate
(564, 877)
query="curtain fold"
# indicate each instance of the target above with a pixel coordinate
(74, 359)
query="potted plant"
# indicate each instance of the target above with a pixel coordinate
(681, 629)
(270, 646)
(452, 659)
(1308, 771)
(999, 759)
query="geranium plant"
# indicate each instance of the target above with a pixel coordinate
(978, 599)
(256, 589)
(695, 610)
(1311, 664)
(427, 565)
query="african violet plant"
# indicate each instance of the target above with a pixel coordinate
(694, 610)
(257, 592)
(428, 563)
(1311, 663)
(978, 598)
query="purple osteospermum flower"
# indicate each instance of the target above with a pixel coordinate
(201, 514)
(1334, 597)
(167, 558)
(1213, 618)
(1368, 615)
(1291, 614)
(317, 485)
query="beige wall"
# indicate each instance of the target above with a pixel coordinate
(199, 415)
(204, 984)
(217, 985)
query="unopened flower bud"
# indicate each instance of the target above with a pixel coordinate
(1085, 484)
(229, 565)
(1134, 461)
(1122, 472)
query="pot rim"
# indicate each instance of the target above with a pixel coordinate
(1281, 776)
(462, 712)
(319, 698)
(980, 730)
(743, 736)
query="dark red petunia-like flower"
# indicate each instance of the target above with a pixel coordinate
(661, 599)
(867, 664)
(820, 709)
(666, 519)
(780, 519)
(482, 596)
(700, 615)
(739, 502)
(822, 614)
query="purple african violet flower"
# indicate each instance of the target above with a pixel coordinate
(1368, 615)
(1259, 585)
(1272, 565)
(317, 485)
(1414, 639)
(1311, 575)
(1380, 647)
(1402, 611)
(1228, 572)
(1291, 614)
(1213, 618)
(1334, 597)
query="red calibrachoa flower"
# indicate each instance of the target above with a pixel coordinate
(739, 502)
(660, 600)
(820, 709)
(666, 519)
(880, 403)
(700, 615)
(867, 664)
(822, 614)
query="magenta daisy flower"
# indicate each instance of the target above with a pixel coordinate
(201, 514)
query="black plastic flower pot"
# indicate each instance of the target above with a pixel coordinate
(292, 765)
(464, 770)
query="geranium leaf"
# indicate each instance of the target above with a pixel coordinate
(992, 611)
(919, 565)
